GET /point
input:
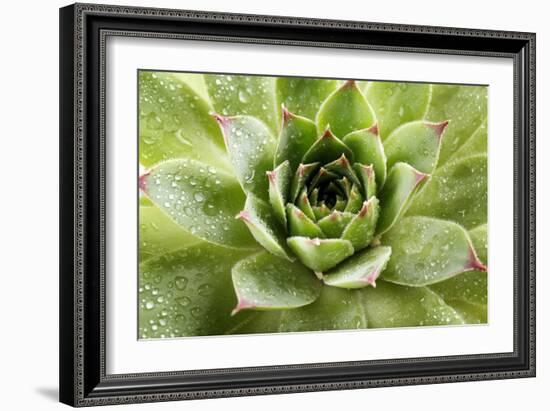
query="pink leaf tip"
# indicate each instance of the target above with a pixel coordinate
(349, 84)
(439, 128)
(343, 160)
(143, 181)
(374, 129)
(299, 213)
(287, 115)
(301, 169)
(419, 176)
(223, 121)
(242, 305)
(371, 278)
(314, 241)
(327, 133)
(474, 263)
(364, 209)
(243, 215)
(271, 176)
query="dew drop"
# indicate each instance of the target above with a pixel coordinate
(244, 97)
(181, 283)
(205, 289)
(183, 301)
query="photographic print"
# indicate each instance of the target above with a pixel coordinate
(289, 204)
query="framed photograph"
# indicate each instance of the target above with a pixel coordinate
(260, 204)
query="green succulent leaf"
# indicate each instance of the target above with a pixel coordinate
(175, 122)
(476, 144)
(279, 188)
(343, 168)
(320, 254)
(340, 204)
(297, 135)
(321, 211)
(335, 309)
(201, 198)
(304, 204)
(386, 306)
(299, 224)
(322, 176)
(360, 231)
(391, 305)
(397, 103)
(326, 149)
(360, 270)
(368, 179)
(467, 292)
(345, 110)
(333, 225)
(265, 282)
(416, 143)
(188, 292)
(457, 192)
(196, 82)
(368, 149)
(478, 236)
(427, 251)
(159, 234)
(303, 173)
(263, 225)
(303, 96)
(402, 181)
(355, 200)
(245, 95)
(251, 147)
(466, 109)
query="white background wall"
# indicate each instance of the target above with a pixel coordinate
(29, 204)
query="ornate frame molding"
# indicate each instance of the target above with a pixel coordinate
(82, 335)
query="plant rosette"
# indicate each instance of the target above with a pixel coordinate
(292, 204)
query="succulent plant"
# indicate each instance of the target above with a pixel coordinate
(274, 204)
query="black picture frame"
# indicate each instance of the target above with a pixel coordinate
(83, 30)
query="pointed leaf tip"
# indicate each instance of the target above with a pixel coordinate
(374, 129)
(287, 115)
(419, 176)
(439, 128)
(364, 209)
(223, 121)
(314, 241)
(371, 278)
(349, 83)
(343, 160)
(327, 133)
(271, 176)
(475, 263)
(243, 215)
(241, 305)
(143, 181)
